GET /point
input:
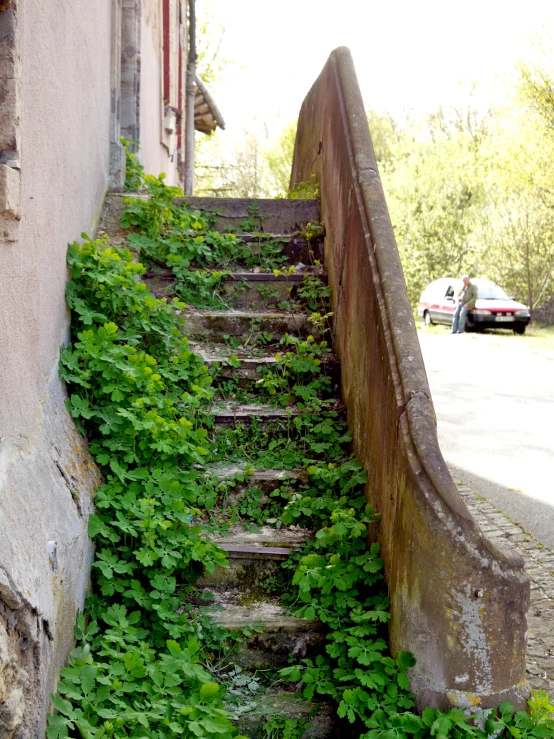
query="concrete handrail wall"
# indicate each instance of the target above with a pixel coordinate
(457, 602)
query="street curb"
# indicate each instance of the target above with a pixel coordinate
(539, 565)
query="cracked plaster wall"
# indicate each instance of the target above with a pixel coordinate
(59, 113)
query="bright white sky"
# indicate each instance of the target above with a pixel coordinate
(408, 53)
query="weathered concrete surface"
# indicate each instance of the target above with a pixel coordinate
(266, 536)
(290, 705)
(47, 481)
(54, 140)
(205, 325)
(539, 564)
(295, 248)
(253, 556)
(241, 289)
(282, 635)
(279, 216)
(457, 602)
(64, 160)
(243, 575)
(229, 414)
(10, 117)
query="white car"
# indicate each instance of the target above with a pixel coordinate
(494, 309)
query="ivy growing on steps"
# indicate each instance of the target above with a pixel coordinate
(143, 663)
(139, 394)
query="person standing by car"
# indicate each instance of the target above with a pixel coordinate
(467, 297)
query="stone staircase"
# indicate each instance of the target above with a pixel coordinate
(250, 329)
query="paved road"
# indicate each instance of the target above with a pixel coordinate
(494, 399)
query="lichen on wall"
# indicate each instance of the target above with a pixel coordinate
(16, 718)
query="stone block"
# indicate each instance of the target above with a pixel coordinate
(278, 216)
(47, 483)
(10, 190)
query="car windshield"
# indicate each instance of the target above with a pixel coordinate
(490, 291)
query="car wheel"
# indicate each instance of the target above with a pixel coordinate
(519, 330)
(427, 319)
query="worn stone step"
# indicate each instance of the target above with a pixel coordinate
(282, 636)
(263, 539)
(285, 705)
(259, 290)
(248, 325)
(265, 277)
(253, 556)
(229, 414)
(110, 220)
(245, 575)
(260, 483)
(284, 216)
(296, 249)
(239, 289)
(249, 369)
(252, 552)
(264, 480)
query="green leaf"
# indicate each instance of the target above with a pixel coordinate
(405, 660)
(95, 525)
(428, 716)
(441, 726)
(64, 707)
(208, 690)
(403, 682)
(411, 723)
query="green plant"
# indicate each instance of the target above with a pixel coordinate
(134, 171)
(255, 220)
(309, 189)
(267, 254)
(286, 728)
(138, 392)
(314, 293)
(313, 230)
(268, 293)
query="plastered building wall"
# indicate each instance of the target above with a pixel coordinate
(47, 478)
(158, 150)
(64, 131)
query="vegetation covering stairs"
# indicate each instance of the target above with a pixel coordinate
(260, 306)
(233, 588)
(238, 342)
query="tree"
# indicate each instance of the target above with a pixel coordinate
(251, 167)
(434, 191)
(536, 82)
(517, 220)
(520, 246)
(279, 160)
(385, 134)
(473, 192)
(210, 35)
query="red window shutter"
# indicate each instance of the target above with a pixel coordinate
(166, 52)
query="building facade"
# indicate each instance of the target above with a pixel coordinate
(75, 76)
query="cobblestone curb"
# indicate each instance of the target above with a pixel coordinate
(539, 564)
